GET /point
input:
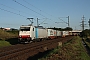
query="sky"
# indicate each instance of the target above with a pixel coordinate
(51, 13)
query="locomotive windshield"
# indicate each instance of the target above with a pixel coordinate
(24, 28)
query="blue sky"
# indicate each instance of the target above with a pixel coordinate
(14, 14)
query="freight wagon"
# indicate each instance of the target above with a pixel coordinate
(51, 34)
(58, 33)
(64, 33)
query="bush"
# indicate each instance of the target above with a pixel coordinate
(85, 33)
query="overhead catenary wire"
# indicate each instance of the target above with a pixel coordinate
(31, 5)
(22, 11)
(31, 9)
(17, 10)
(36, 8)
(63, 21)
(39, 9)
(28, 8)
(12, 12)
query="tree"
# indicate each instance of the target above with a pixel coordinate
(68, 29)
(61, 29)
(85, 33)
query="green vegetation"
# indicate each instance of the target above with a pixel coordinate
(62, 29)
(4, 43)
(8, 38)
(88, 41)
(85, 33)
(73, 50)
(6, 35)
(15, 32)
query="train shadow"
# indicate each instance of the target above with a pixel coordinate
(0, 39)
(86, 46)
(88, 40)
(12, 41)
(39, 55)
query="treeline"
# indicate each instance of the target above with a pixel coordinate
(85, 33)
(11, 30)
(62, 29)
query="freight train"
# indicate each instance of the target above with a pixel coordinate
(34, 33)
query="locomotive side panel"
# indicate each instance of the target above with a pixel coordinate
(42, 33)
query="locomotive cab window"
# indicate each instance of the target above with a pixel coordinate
(24, 28)
(33, 29)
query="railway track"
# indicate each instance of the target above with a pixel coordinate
(23, 51)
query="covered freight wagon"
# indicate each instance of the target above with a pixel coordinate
(52, 33)
(64, 33)
(59, 33)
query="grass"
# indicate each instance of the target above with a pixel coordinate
(4, 43)
(13, 32)
(73, 50)
(11, 41)
(84, 54)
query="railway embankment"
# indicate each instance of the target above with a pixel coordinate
(72, 50)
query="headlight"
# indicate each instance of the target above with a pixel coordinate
(20, 36)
